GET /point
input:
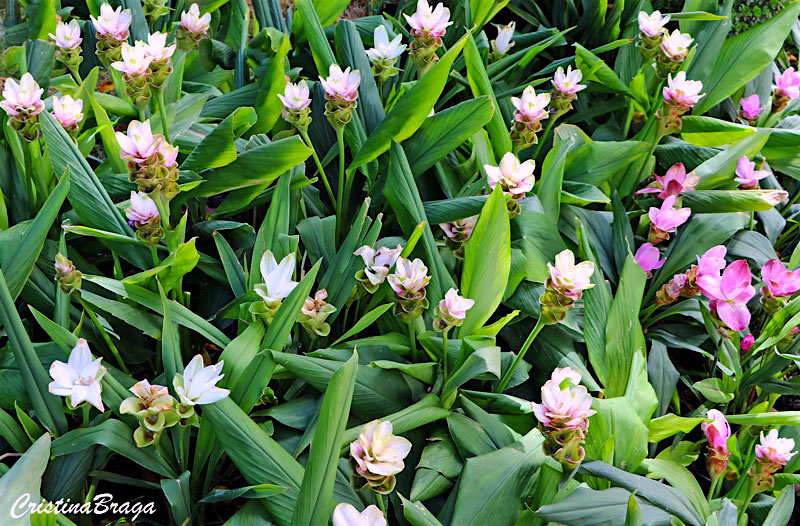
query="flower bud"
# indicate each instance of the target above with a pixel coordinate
(314, 312)
(67, 276)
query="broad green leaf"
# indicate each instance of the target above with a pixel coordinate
(731, 201)
(273, 81)
(670, 424)
(714, 390)
(596, 162)
(584, 506)
(23, 478)
(176, 490)
(719, 170)
(417, 514)
(708, 132)
(482, 361)
(618, 434)
(783, 509)
(595, 70)
(218, 148)
(259, 491)
(549, 191)
(364, 322)
(680, 477)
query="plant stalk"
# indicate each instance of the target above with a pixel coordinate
(525, 346)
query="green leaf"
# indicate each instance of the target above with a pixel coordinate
(24, 477)
(170, 342)
(618, 434)
(363, 322)
(597, 161)
(731, 201)
(549, 191)
(315, 501)
(417, 514)
(268, 105)
(584, 506)
(233, 269)
(259, 491)
(411, 417)
(780, 418)
(670, 424)
(783, 509)
(45, 21)
(218, 148)
(483, 361)
(708, 132)
(595, 70)
(487, 262)
(180, 502)
(713, 390)
(719, 170)
(679, 477)
(633, 515)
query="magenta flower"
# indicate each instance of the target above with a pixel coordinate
(68, 36)
(747, 175)
(648, 257)
(193, 23)
(712, 261)
(779, 281)
(568, 83)
(514, 178)
(531, 108)
(682, 92)
(775, 450)
(568, 407)
(718, 431)
(666, 219)
(67, 111)
(142, 209)
(409, 279)
(111, 24)
(787, 84)
(729, 294)
(751, 108)
(747, 342)
(139, 144)
(23, 99)
(135, 60)
(569, 279)
(429, 23)
(342, 85)
(652, 25)
(675, 45)
(675, 181)
(295, 96)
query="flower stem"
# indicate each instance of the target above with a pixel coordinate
(712, 489)
(162, 110)
(340, 189)
(550, 123)
(379, 502)
(154, 252)
(444, 352)
(76, 75)
(331, 196)
(412, 340)
(525, 346)
(105, 336)
(752, 221)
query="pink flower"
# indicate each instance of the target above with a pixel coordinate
(779, 281)
(139, 144)
(378, 452)
(675, 45)
(111, 24)
(347, 515)
(787, 84)
(667, 218)
(142, 209)
(341, 84)
(157, 47)
(531, 108)
(409, 279)
(750, 107)
(569, 407)
(568, 83)
(712, 261)
(729, 294)
(569, 279)
(682, 92)
(68, 36)
(718, 431)
(560, 374)
(648, 258)
(774, 449)
(23, 99)
(295, 96)
(168, 153)
(460, 229)
(514, 177)
(452, 310)
(193, 23)
(429, 23)
(652, 25)
(135, 60)
(747, 175)
(67, 111)
(675, 181)
(747, 342)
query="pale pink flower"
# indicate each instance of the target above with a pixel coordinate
(751, 108)
(152, 396)
(429, 23)
(409, 279)
(515, 178)
(747, 175)
(649, 258)
(747, 342)
(460, 228)
(157, 47)
(675, 45)
(135, 60)
(139, 144)
(169, 154)
(68, 36)
(788, 84)
(78, 379)
(675, 181)
(295, 96)
(23, 99)
(774, 449)
(652, 25)
(568, 83)
(667, 218)
(729, 294)
(718, 431)
(570, 279)
(112, 24)
(378, 452)
(682, 92)
(377, 263)
(503, 43)
(568, 407)
(142, 209)
(531, 108)
(779, 281)
(346, 514)
(67, 110)
(341, 84)
(193, 23)
(453, 309)
(560, 374)
(385, 49)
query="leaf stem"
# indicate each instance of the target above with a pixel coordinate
(525, 346)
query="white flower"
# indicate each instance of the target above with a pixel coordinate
(79, 378)
(135, 60)
(192, 22)
(157, 48)
(652, 25)
(378, 262)
(385, 49)
(277, 277)
(503, 43)
(68, 36)
(197, 384)
(675, 45)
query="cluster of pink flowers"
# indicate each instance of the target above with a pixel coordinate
(531, 110)
(151, 159)
(429, 23)
(668, 49)
(451, 311)
(729, 291)
(779, 283)
(515, 178)
(68, 112)
(341, 91)
(409, 280)
(23, 102)
(772, 453)
(685, 284)
(673, 183)
(785, 89)
(566, 86)
(112, 24)
(143, 214)
(746, 174)
(193, 28)
(377, 456)
(666, 219)
(68, 40)
(564, 286)
(652, 25)
(682, 94)
(458, 232)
